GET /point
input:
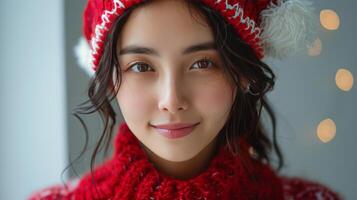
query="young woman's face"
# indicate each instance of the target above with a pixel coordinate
(172, 83)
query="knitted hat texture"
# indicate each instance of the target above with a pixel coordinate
(274, 28)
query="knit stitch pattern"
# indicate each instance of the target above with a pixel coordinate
(99, 16)
(130, 175)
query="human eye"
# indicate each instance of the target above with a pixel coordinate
(140, 67)
(203, 63)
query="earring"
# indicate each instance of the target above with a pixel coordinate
(248, 90)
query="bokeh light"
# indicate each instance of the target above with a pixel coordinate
(344, 79)
(329, 19)
(315, 48)
(326, 130)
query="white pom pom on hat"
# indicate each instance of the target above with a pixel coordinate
(286, 26)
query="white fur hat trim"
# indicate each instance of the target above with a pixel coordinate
(83, 55)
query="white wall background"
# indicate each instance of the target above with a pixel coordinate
(32, 96)
(37, 45)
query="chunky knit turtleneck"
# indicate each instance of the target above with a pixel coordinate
(130, 175)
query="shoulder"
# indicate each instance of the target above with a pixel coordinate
(54, 192)
(75, 186)
(296, 188)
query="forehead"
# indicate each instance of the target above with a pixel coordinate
(164, 25)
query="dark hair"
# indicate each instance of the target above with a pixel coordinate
(240, 63)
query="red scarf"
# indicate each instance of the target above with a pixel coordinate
(130, 175)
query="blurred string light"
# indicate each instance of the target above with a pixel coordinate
(315, 48)
(329, 19)
(344, 79)
(326, 130)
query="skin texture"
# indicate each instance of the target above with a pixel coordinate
(172, 87)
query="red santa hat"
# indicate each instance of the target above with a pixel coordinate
(273, 28)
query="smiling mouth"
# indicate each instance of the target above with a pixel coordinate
(176, 133)
(175, 126)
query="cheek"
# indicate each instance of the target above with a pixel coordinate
(214, 97)
(134, 101)
(211, 96)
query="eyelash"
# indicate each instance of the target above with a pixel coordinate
(204, 59)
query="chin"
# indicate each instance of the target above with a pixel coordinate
(179, 157)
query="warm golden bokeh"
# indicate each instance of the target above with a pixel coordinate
(315, 48)
(344, 79)
(326, 130)
(329, 19)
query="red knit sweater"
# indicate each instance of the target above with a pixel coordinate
(130, 175)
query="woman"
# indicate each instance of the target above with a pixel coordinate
(189, 79)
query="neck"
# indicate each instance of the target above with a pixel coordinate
(186, 169)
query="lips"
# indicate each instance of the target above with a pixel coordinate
(175, 126)
(173, 131)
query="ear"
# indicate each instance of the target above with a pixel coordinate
(244, 83)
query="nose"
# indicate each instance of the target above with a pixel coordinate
(172, 97)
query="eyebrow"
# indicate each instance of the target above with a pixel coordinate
(135, 49)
